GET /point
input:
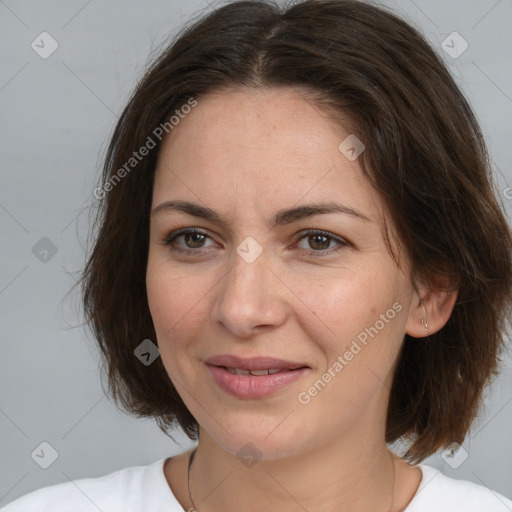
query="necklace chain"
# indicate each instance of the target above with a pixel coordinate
(191, 458)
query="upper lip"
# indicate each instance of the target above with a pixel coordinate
(252, 363)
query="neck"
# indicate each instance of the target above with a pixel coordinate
(353, 475)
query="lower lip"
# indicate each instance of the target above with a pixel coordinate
(252, 386)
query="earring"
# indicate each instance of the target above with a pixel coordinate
(424, 319)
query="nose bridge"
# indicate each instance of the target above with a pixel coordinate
(245, 276)
(248, 297)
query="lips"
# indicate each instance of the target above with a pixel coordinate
(251, 378)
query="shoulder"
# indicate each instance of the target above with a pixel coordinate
(130, 489)
(438, 492)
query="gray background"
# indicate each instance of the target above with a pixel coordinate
(56, 116)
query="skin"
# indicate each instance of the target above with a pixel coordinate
(248, 154)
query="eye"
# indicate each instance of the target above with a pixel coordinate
(192, 238)
(320, 242)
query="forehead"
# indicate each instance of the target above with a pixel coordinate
(261, 138)
(255, 123)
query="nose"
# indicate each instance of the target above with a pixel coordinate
(250, 297)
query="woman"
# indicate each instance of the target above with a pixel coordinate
(301, 259)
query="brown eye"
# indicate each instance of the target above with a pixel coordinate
(187, 240)
(318, 242)
(321, 243)
(194, 240)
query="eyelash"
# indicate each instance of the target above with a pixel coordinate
(168, 240)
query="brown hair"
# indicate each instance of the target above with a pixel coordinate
(424, 153)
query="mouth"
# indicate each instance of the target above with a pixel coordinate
(253, 364)
(258, 373)
(252, 378)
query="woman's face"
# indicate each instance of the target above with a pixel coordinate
(319, 291)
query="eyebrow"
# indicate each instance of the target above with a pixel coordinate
(281, 218)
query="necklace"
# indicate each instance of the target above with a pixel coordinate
(195, 509)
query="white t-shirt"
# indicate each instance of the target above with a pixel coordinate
(145, 489)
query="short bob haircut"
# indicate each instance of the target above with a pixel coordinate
(425, 154)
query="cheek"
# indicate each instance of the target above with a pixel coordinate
(348, 303)
(366, 324)
(174, 302)
(366, 319)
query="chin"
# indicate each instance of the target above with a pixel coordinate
(250, 442)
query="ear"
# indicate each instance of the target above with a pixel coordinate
(431, 308)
